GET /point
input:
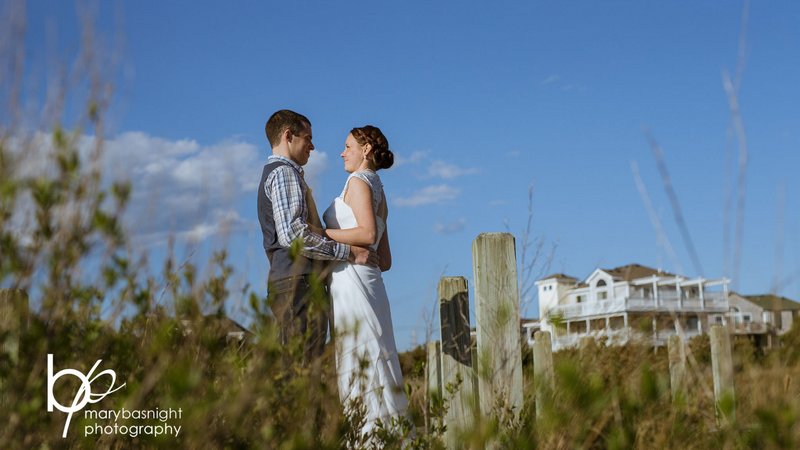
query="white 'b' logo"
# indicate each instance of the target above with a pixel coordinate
(84, 394)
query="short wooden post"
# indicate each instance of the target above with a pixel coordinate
(497, 313)
(722, 369)
(677, 367)
(585, 347)
(433, 373)
(543, 375)
(457, 372)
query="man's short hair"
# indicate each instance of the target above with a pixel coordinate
(282, 120)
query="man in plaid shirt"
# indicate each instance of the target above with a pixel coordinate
(293, 239)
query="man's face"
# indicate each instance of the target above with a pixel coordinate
(300, 146)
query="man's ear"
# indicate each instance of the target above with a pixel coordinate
(287, 134)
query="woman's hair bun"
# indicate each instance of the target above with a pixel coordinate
(382, 157)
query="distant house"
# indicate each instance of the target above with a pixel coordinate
(632, 301)
(762, 318)
(529, 327)
(225, 327)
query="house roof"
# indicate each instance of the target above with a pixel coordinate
(773, 302)
(634, 271)
(559, 276)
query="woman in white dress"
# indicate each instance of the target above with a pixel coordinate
(367, 365)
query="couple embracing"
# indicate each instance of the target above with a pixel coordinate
(349, 252)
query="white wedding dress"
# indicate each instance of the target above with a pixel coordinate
(367, 365)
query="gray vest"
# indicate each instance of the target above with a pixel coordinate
(281, 264)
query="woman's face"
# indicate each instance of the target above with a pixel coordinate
(353, 154)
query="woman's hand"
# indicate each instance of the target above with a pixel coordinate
(317, 230)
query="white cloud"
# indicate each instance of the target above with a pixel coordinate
(413, 158)
(180, 188)
(436, 168)
(221, 224)
(429, 195)
(450, 227)
(448, 171)
(189, 190)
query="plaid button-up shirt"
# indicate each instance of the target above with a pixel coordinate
(286, 189)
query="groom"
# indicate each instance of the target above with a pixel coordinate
(292, 237)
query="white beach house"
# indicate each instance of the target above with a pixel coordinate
(629, 302)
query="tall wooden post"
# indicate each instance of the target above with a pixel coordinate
(457, 373)
(543, 375)
(497, 313)
(722, 369)
(677, 367)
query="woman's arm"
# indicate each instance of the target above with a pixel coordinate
(359, 199)
(384, 252)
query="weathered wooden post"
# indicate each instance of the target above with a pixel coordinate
(677, 367)
(586, 347)
(457, 372)
(497, 313)
(543, 375)
(433, 380)
(722, 369)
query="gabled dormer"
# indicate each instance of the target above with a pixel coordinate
(601, 285)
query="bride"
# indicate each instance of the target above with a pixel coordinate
(367, 365)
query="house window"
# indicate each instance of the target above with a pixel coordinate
(601, 295)
(747, 318)
(579, 299)
(718, 320)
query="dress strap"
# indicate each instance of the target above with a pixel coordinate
(373, 181)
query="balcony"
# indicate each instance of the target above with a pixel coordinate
(620, 337)
(712, 303)
(749, 328)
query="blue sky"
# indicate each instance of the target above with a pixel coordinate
(479, 101)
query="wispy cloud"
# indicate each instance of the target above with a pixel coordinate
(555, 81)
(573, 88)
(550, 80)
(450, 227)
(413, 158)
(447, 171)
(429, 195)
